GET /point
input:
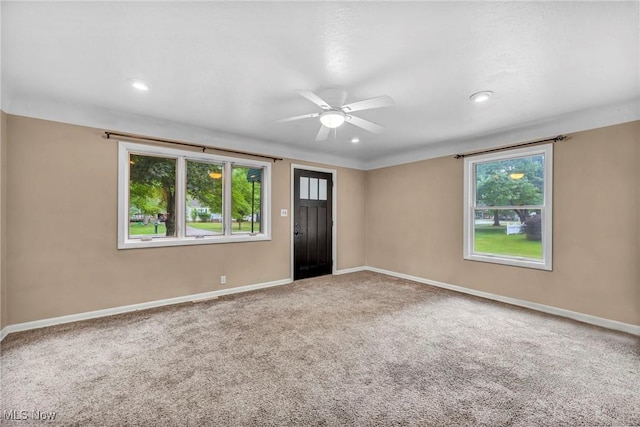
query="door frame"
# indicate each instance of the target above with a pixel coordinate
(334, 216)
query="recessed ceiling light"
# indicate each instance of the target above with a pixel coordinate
(139, 85)
(481, 96)
(355, 140)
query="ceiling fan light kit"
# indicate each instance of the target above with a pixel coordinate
(333, 117)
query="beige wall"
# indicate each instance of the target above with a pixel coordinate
(351, 218)
(3, 222)
(414, 226)
(62, 229)
(59, 253)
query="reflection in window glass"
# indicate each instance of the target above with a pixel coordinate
(510, 182)
(151, 197)
(514, 186)
(246, 199)
(203, 207)
(508, 207)
(170, 197)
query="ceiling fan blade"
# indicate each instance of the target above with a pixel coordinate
(367, 104)
(314, 98)
(304, 116)
(323, 133)
(365, 124)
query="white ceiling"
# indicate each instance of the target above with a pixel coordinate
(222, 73)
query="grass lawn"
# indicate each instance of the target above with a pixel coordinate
(209, 226)
(217, 226)
(137, 228)
(494, 240)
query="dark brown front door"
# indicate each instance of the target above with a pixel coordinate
(312, 224)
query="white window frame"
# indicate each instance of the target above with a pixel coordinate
(181, 156)
(547, 213)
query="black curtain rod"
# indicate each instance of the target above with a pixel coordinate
(108, 135)
(475, 153)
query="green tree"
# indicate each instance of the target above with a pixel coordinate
(145, 199)
(153, 180)
(153, 175)
(496, 185)
(204, 184)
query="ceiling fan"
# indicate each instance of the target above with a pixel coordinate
(333, 117)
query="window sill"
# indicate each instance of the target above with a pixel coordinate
(190, 241)
(512, 261)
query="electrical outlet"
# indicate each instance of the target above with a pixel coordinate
(223, 280)
(283, 212)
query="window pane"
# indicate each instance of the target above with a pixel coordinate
(152, 184)
(304, 188)
(246, 199)
(509, 232)
(203, 208)
(322, 191)
(313, 188)
(512, 182)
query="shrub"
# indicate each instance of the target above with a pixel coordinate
(532, 227)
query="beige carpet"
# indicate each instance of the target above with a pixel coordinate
(360, 349)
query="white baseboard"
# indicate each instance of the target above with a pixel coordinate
(351, 270)
(581, 317)
(135, 307)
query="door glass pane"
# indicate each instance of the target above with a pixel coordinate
(203, 204)
(304, 188)
(511, 182)
(516, 233)
(152, 185)
(246, 199)
(313, 188)
(322, 190)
